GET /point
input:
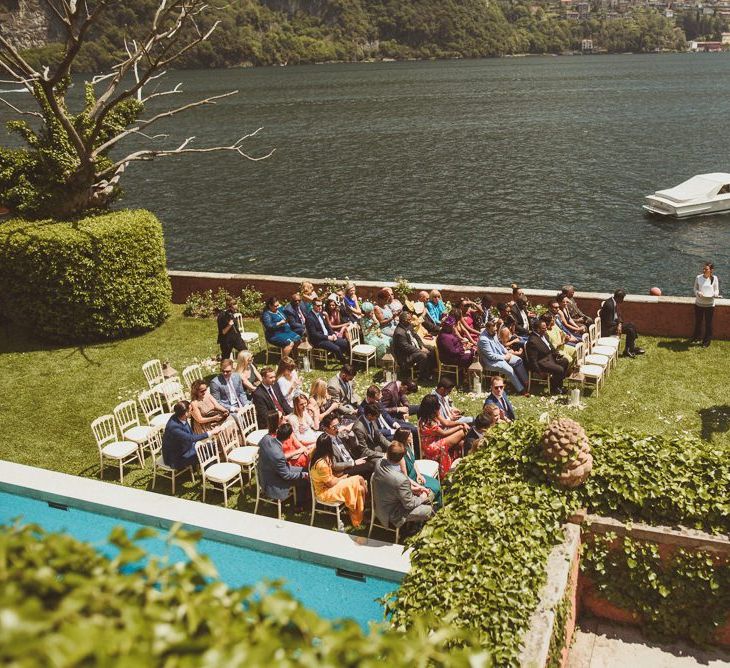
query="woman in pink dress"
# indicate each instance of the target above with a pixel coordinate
(440, 444)
(295, 453)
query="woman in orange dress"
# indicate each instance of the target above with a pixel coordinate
(351, 490)
(442, 445)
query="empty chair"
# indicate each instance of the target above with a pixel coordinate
(588, 372)
(243, 455)
(172, 391)
(192, 373)
(158, 463)
(274, 502)
(375, 522)
(130, 427)
(151, 404)
(152, 371)
(251, 339)
(360, 351)
(217, 473)
(111, 446)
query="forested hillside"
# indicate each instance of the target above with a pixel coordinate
(265, 32)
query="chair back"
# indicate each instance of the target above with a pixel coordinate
(597, 325)
(192, 373)
(228, 437)
(207, 452)
(104, 429)
(154, 444)
(354, 334)
(238, 317)
(172, 391)
(248, 420)
(580, 353)
(152, 371)
(586, 340)
(592, 334)
(150, 402)
(126, 415)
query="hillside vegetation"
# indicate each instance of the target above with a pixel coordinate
(266, 32)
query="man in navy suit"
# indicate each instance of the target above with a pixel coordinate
(295, 315)
(227, 389)
(321, 335)
(178, 440)
(386, 422)
(499, 398)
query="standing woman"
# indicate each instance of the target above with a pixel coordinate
(707, 287)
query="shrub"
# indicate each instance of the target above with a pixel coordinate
(101, 277)
(402, 288)
(67, 604)
(208, 304)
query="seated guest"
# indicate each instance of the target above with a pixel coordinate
(309, 294)
(498, 396)
(246, 368)
(555, 312)
(330, 488)
(442, 445)
(276, 476)
(302, 421)
(296, 453)
(493, 356)
(408, 349)
(294, 315)
(451, 347)
(394, 398)
(348, 456)
(448, 415)
(229, 336)
(508, 338)
(573, 311)
(320, 403)
(475, 436)
(561, 341)
(227, 389)
(543, 358)
(387, 423)
(396, 502)
(334, 320)
(519, 311)
(383, 312)
(321, 335)
(372, 335)
(493, 414)
(205, 411)
(435, 308)
(351, 304)
(482, 313)
(178, 440)
(424, 318)
(267, 397)
(369, 437)
(287, 379)
(504, 312)
(408, 466)
(612, 323)
(460, 324)
(342, 389)
(573, 327)
(277, 330)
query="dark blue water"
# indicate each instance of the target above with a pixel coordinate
(317, 587)
(485, 171)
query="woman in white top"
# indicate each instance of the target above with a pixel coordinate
(707, 287)
(287, 379)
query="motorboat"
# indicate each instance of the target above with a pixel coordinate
(699, 196)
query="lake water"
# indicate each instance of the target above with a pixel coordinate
(485, 171)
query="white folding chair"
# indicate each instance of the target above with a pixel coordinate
(326, 507)
(151, 404)
(111, 446)
(320, 355)
(158, 463)
(592, 373)
(243, 455)
(215, 472)
(251, 339)
(152, 371)
(172, 391)
(247, 423)
(292, 494)
(192, 373)
(130, 427)
(272, 351)
(360, 351)
(427, 467)
(540, 377)
(375, 522)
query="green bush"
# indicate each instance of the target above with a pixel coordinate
(207, 304)
(101, 277)
(67, 605)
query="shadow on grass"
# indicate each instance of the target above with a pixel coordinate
(675, 345)
(715, 420)
(14, 339)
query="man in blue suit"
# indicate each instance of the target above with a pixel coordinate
(386, 423)
(495, 357)
(321, 335)
(499, 398)
(227, 389)
(276, 477)
(178, 440)
(294, 314)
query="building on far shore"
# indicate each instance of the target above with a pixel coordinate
(707, 47)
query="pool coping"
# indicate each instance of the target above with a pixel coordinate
(332, 549)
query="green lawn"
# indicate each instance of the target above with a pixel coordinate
(52, 394)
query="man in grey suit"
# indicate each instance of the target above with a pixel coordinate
(227, 389)
(369, 442)
(395, 502)
(341, 388)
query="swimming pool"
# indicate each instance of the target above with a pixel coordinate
(331, 591)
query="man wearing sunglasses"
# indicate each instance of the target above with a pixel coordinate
(499, 398)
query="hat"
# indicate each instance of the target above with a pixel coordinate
(366, 307)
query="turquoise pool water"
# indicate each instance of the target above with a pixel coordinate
(317, 587)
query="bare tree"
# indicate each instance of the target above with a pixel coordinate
(85, 176)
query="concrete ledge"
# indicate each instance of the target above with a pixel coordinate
(286, 539)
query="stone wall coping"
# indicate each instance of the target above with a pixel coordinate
(642, 299)
(287, 539)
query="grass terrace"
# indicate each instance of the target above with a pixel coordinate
(52, 394)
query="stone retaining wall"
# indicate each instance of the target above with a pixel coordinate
(655, 316)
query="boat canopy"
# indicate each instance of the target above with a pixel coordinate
(702, 186)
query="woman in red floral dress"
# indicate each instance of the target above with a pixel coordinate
(442, 445)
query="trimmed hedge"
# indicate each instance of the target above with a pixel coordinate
(98, 278)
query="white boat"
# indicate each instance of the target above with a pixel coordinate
(701, 195)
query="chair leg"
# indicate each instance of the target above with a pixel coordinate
(278, 508)
(121, 471)
(192, 475)
(173, 481)
(101, 467)
(203, 488)
(314, 507)
(225, 494)
(258, 497)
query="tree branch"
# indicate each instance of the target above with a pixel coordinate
(20, 111)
